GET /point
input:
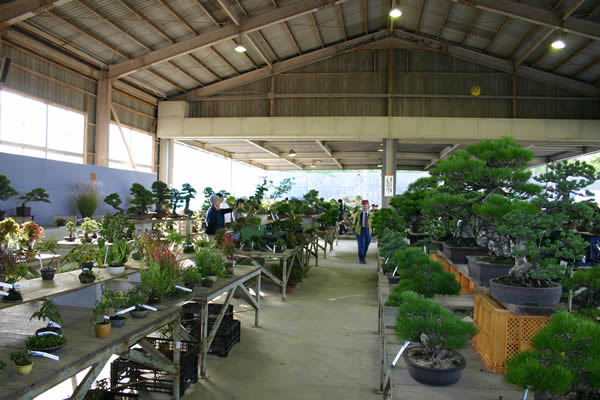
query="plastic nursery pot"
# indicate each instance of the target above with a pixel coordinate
(139, 314)
(103, 329)
(24, 369)
(86, 277)
(47, 274)
(434, 376)
(118, 321)
(13, 295)
(116, 270)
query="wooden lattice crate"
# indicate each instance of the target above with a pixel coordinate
(502, 334)
(467, 286)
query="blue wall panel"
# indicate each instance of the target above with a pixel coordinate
(60, 180)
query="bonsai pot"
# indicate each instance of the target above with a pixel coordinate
(103, 329)
(433, 376)
(13, 295)
(24, 369)
(154, 299)
(47, 349)
(88, 265)
(49, 329)
(136, 256)
(116, 270)
(86, 277)
(524, 295)
(207, 283)
(117, 321)
(2, 214)
(482, 271)
(213, 278)
(139, 314)
(23, 211)
(69, 238)
(47, 274)
(393, 280)
(458, 255)
(438, 245)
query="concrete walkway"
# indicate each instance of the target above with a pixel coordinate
(320, 344)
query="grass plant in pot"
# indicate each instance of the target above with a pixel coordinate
(22, 361)
(210, 264)
(161, 273)
(563, 363)
(103, 326)
(48, 312)
(439, 332)
(87, 203)
(36, 195)
(543, 235)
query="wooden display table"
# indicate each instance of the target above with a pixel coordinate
(328, 236)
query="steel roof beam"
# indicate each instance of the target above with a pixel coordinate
(327, 150)
(17, 11)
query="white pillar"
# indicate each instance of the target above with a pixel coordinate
(388, 171)
(103, 106)
(170, 124)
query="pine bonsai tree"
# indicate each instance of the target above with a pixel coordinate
(187, 194)
(564, 360)
(142, 198)
(387, 219)
(176, 200)
(162, 196)
(114, 200)
(37, 194)
(437, 329)
(409, 205)
(6, 191)
(585, 284)
(421, 275)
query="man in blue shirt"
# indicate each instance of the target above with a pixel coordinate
(362, 229)
(215, 216)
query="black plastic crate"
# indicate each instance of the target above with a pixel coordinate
(192, 312)
(124, 371)
(228, 334)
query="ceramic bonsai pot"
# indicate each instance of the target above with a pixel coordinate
(103, 329)
(434, 376)
(525, 296)
(116, 270)
(481, 271)
(49, 329)
(23, 211)
(47, 274)
(139, 314)
(24, 369)
(458, 255)
(118, 321)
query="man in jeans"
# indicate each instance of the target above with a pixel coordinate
(362, 228)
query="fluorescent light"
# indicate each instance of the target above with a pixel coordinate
(380, 147)
(240, 48)
(313, 165)
(395, 12)
(380, 165)
(292, 153)
(559, 44)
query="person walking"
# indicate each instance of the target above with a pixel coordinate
(341, 212)
(362, 229)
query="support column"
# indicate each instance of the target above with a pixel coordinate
(165, 162)
(388, 172)
(103, 106)
(171, 115)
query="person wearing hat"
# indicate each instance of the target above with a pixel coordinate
(362, 228)
(215, 216)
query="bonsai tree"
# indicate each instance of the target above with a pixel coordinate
(37, 194)
(30, 234)
(71, 227)
(89, 227)
(437, 329)
(187, 194)
(564, 360)
(47, 312)
(421, 275)
(284, 187)
(390, 242)
(585, 284)
(176, 200)
(114, 200)
(85, 254)
(409, 205)
(136, 296)
(6, 191)
(116, 227)
(48, 246)
(162, 196)
(20, 358)
(142, 198)
(387, 219)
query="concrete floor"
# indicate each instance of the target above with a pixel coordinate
(320, 344)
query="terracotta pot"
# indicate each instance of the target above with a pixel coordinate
(24, 369)
(103, 329)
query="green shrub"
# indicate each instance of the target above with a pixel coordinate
(564, 360)
(159, 281)
(390, 242)
(48, 311)
(87, 203)
(210, 263)
(191, 276)
(387, 218)
(437, 329)
(44, 342)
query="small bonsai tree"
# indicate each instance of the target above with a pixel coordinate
(176, 200)
(37, 194)
(389, 243)
(47, 312)
(162, 196)
(71, 227)
(116, 227)
(187, 194)
(136, 297)
(114, 200)
(142, 198)
(585, 284)
(419, 274)
(20, 357)
(564, 360)
(89, 227)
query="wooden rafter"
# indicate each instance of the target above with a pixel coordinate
(365, 17)
(169, 81)
(317, 31)
(237, 72)
(258, 144)
(572, 56)
(468, 31)
(341, 22)
(587, 68)
(328, 151)
(523, 41)
(498, 32)
(443, 26)
(421, 7)
(289, 31)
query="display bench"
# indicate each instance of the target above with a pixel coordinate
(329, 237)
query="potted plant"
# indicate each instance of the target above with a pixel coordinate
(118, 301)
(13, 271)
(160, 280)
(409, 205)
(433, 361)
(142, 199)
(48, 312)
(563, 363)
(117, 255)
(585, 285)
(421, 275)
(102, 306)
(22, 361)
(207, 282)
(89, 227)
(30, 234)
(162, 197)
(36, 195)
(136, 297)
(116, 227)
(6, 192)
(114, 200)
(85, 254)
(210, 264)
(87, 203)
(47, 343)
(191, 277)
(387, 219)
(187, 194)
(72, 228)
(48, 246)
(542, 233)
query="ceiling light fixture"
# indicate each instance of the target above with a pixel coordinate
(313, 165)
(395, 12)
(380, 165)
(380, 147)
(292, 153)
(240, 48)
(559, 44)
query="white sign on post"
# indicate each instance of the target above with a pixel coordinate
(388, 187)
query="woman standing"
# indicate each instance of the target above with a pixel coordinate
(215, 216)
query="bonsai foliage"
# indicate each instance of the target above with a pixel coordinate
(85, 253)
(387, 219)
(136, 296)
(20, 357)
(89, 226)
(116, 227)
(87, 203)
(142, 198)
(409, 205)
(284, 187)
(162, 196)
(102, 307)
(30, 233)
(421, 275)
(44, 342)
(47, 312)
(6, 191)
(191, 276)
(390, 242)
(176, 200)
(71, 227)
(37, 194)
(585, 284)
(436, 328)
(187, 194)
(114, 200)
(564, 360)
(11, 266)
